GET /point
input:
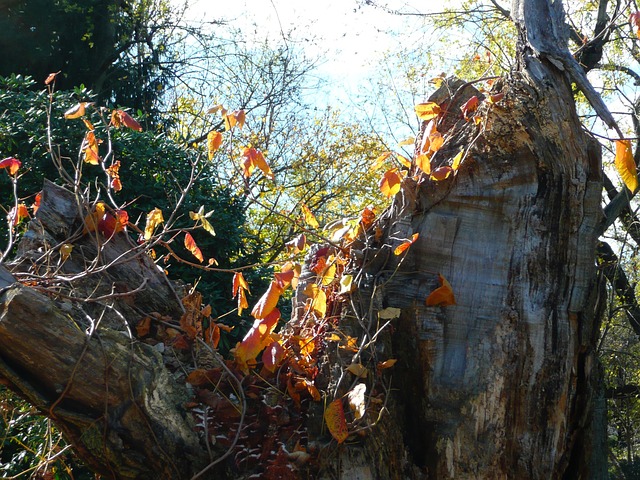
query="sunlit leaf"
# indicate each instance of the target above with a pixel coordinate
(36, 202)
(495, 98)
(625, 164)
(318, 299)
(443, 295)
(296, 268)
(76, 111)
(356, 400)
(268, 301)
(297, 245)
(11, 164)
(110, 224)
(470, 106)
(335, 420)
(202, 217)
(18, 214)
(378, 162)
(257, 338)
(367, 216)
(254, 158)
(51, 77)
(234, 118)
(90, 145)
(407, 141)
(427, 111)
(404, 161)
(456, 161)
(190, 244)
(309, 217)
(284, 279)
(92, 219)
(346, 284)
(114, 172)
(423, 162)
(405, 245)
(214, 140)
(389, 313)
(154, 218)
(390, 183)
(386, 364)
(436, 140)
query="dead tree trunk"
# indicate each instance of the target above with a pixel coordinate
(504, 384)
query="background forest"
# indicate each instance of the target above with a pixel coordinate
(180, 79)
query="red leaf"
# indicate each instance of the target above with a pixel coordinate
(470, 106)
(337, 424)
(36, 202)
(258, 337)
(272, 356)
(120, 117)
(12, 164)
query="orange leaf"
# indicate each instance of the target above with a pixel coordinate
(114, 172)
(426, 135)
(143, 327)
(404, 161)
(427, 111)
(268, 301)
(154, 218)
(309, 217)
(470, 106)
(405, 245)
(367, 217)
(423, 162)
(214, 140)
(254, 158)
(191, 245)
(19, 214)
(387, 364)
(441, 296)
(257, 338)
(76, 111)
(239, 283)
(284, 278)
(336, 423)
(36, 202)
(12, 164)
(212, 335)
(234, 118)
(625, 164)
(380, 160)
(91, 220)
(496, 97)
(90, 146)
(390, 182)
(296, 268)
(436, 141)
(110, 225)
(441, 173)
(51, 77)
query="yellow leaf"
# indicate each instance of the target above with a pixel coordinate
(201, 217)
(309, 217)
(91, 221)
(358, 370)
(403, 160)
(456, 161)
(407, 141)
(214, 140)
(65, 251)
(378, 162)
(427, 111)
(626, 165)
(387, 363)
(336, 423)
(76, 111)
(318, 299)
(443, 295)
(154, 218)
(346, 284)
(423, 162)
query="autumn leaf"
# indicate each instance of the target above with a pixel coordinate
(234, 118)
(423, 162)
(120, 118)
(470, 106)
(268, 301)
(456, 161)
(11, 164)
(309, 217)
(154, 218)
(495, 98)
(92, 219)
(358, 370)
(18, 214)
(214, 140)
(427, 111)
(346, 284)
(378, 162)
(436, 140)
(297, 245)
(404, 161)
(51, 77)
(254, 158)
(76, 111)
(335, 420)
(284, 278)
(407, 141)
(390, 182)
(294, 267)
(114, 172)
(367, 216)
(143, 327)
(405, 245)
(356, 400)
(190, 244)
(36, 202)
(202, 217)
(273, 356)
(625, 164)
(256, 339)
(441, 296)
(318, 299)
(240, 286)
(386, 364)
(90, 147)
(441, 173)
(109, 225)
